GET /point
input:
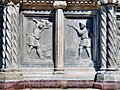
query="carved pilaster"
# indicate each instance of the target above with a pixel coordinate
(59, 35)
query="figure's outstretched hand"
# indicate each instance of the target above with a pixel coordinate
(69, 25)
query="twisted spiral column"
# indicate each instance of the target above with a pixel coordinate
(15, 36)
(103, 38)
(112, 32)
(9, 36)
(4, 38)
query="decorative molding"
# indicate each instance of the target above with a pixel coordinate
(48, 4)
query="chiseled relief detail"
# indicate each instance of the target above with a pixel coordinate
(78, 42)
(85, 40)
(38, 39)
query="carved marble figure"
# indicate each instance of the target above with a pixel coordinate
(35, 36)
(85, 42)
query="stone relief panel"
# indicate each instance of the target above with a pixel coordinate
(78, 42)
(38, 41)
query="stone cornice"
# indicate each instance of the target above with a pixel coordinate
(48, 4)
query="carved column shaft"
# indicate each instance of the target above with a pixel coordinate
(108, 35)
(112, 35)
(59, 35)
(103, 37)
(9, 11)
(4, 38)
(59, 38)
(10, 36)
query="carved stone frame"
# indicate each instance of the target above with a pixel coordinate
(23, 16)
(95, 17)
(67, 14)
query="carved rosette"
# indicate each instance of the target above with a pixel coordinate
(103, 37)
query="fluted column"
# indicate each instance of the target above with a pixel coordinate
(59, 35)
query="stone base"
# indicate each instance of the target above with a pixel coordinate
(59, 85)
(66, 74)
(105, 76)
(74, 78)
(108, 79)
(16, 76)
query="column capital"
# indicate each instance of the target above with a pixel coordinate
(104, 2)
(60, 4)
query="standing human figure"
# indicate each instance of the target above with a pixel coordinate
(85, 41)
(34, 42)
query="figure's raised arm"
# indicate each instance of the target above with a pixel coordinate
(72, 26)
(79, 32)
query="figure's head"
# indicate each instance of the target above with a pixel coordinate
(39, 23)
(82, 26)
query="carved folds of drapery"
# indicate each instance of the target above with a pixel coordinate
(10, 36)
(108, 34)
